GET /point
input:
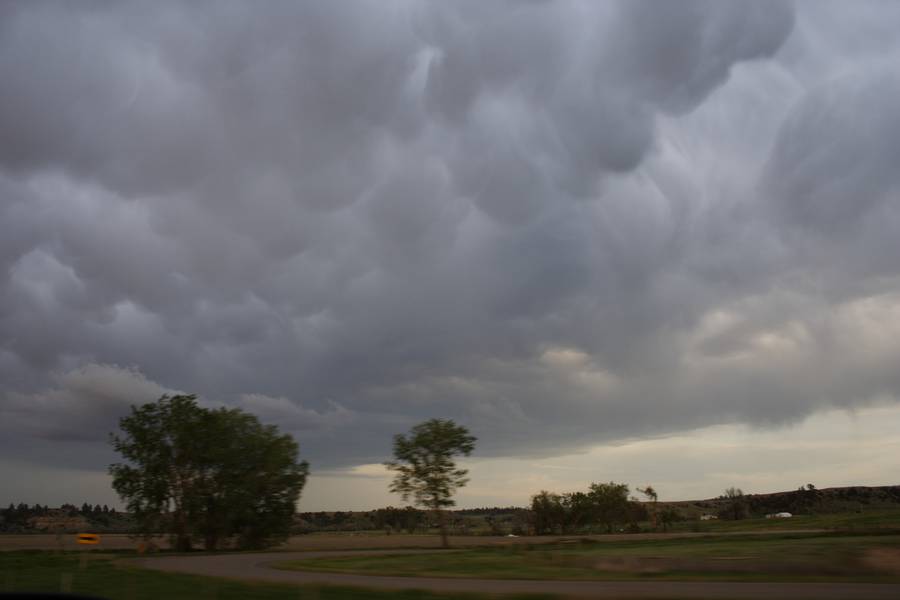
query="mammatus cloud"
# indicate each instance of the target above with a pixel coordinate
(81, 402)
(561, 223)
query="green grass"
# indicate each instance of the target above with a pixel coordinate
(776, 557)
(101, 576)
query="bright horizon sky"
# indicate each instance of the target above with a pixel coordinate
(860, 449)
(834, 449)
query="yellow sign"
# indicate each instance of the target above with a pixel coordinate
(88, 538)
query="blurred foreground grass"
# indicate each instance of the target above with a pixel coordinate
(99, 575)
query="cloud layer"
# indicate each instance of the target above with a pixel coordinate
(561, 223)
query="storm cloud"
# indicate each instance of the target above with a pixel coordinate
(560, 223)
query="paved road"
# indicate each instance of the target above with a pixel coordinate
(256, 567)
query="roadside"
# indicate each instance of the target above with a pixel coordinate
(257, 567)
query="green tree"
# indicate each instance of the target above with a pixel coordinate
(610, 501)
(212, 474)
(425, 471)
(578, 511)
(548, 512)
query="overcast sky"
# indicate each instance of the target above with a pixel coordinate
(655, 242)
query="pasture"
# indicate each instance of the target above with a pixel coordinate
(842, 548)
(783, 557)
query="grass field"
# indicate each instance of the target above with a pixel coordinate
(859, 547)
(101, 576)
(871, 519)
(775, 557)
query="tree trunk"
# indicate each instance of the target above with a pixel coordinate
(211, 537)
(182, 539)
(442, 523)
(212, 540)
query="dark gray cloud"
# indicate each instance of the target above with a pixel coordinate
(561, 223)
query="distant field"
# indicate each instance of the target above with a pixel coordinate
(873, 520)
(884, 518)
(773, 557)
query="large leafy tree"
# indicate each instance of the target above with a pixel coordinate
(548, 512)
(610, 503)
(198, 473)
(425, 469)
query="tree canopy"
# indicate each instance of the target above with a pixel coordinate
(209, 474)
(610, 502)
(425, 470)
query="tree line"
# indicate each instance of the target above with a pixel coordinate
(392, 520)
(604, 507)
(389, 520)
(37, 510)
(20, 517)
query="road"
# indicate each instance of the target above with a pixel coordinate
(258, 567)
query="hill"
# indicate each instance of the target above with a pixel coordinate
(805, 500)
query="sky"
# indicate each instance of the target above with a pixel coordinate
(649, 242)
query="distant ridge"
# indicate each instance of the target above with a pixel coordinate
(808, 499)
